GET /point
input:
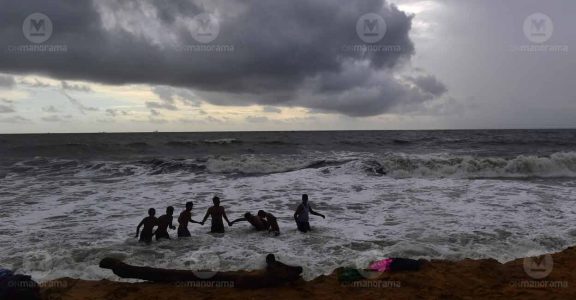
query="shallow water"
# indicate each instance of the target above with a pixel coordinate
(63, 211)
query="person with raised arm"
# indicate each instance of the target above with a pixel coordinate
(302, 214)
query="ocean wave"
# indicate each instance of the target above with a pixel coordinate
(224, 141)
(394, 165)
(256, 165)
(561, 164)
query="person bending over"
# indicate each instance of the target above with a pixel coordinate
(256, 222)
(271, 220)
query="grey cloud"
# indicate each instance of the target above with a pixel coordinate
(285, 52)
(50, 109)
(38, 84)
(7, 81)
(161, 105)
(81, 107)
(429, 84)
(56, 118)
(271, 109)
(4, 109)
(14, 119)
(154, 113)
(115, 112)
(255, 119)
(75, 87)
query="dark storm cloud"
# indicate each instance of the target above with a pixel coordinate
(285, 53)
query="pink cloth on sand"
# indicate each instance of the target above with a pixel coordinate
(381, 265)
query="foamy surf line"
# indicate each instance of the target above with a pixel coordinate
(396, 165)
(68, 216)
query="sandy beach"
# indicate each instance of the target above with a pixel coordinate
(466, 279)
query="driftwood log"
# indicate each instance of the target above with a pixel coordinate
(275, 274)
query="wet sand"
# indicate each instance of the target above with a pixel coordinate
(466, 279)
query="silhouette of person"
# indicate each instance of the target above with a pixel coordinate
(271, 220)
(302, 214)
(149, 223)
(165, 221)
(184, 218)
(258, 223)
(216, 212)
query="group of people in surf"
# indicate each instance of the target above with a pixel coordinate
(262, 221)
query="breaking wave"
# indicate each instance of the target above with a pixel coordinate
(560, 164)
(395, 165)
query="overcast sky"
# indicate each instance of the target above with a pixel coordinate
(134, 65)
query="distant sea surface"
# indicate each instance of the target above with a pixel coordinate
(68, 200)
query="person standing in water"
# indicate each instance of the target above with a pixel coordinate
(271, 220)
(216, 212)
(302, 214)
(184, 218)
(165, 221)
(149, 223)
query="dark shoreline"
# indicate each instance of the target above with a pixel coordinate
(438, 279)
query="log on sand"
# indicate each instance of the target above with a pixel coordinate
(275, 274)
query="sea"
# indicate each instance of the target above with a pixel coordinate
(70, 200)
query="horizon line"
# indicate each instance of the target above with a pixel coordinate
(303, 130)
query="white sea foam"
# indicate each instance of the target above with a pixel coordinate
(65, 222)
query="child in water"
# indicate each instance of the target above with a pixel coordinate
(149, 223)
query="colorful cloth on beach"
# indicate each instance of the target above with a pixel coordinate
(381, 265)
